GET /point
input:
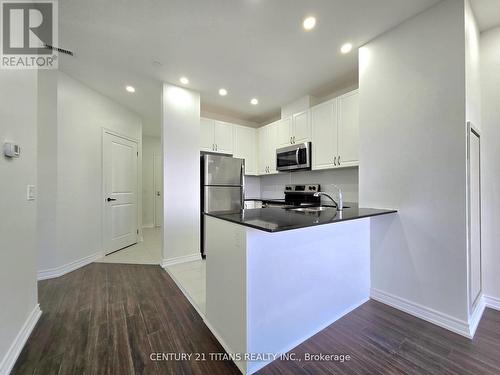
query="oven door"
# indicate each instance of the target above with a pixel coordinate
(294, 157)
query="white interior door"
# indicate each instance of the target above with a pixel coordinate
(120, 192)
(158, 186)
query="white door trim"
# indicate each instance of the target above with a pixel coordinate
(103, 187)
(155, 213)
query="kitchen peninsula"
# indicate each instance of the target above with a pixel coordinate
(276, 276)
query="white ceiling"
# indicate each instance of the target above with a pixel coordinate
(487, 13)
(253, 48)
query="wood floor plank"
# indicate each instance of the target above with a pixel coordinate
(109, 319)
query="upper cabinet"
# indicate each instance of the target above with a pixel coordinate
(295, 129)
(225, 138)
(267, 142)
(335, 132)
(324, 135)
(301, 127)
(348, 128)
(245, 147)
(207, 135)
(216, 136)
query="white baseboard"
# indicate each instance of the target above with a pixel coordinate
(492, 302)
(64, 269)
(435, 317)
(10, 358)
(182, 259)
(476, 316)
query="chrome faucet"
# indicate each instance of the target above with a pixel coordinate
(339, 204)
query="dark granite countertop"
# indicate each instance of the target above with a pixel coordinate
(275, 219)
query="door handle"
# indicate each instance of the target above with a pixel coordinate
(338, 159)
(111, 199)
(294, 139)
(291, 140)
(334, 160)
(158, 194)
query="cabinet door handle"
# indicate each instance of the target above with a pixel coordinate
(334, 160)
(338, 159)
(290, 140)
(213, 146)
(293, 139)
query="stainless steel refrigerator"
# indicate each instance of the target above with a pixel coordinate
(222, 180)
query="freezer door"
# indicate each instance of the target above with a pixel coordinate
(223, 170)
(223, 198)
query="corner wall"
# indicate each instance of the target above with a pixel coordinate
(412, 158)
(18, 254)
(490, 83)
(181, 174)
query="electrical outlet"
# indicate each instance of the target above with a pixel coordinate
(30, 192)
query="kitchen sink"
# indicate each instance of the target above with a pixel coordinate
(312, 209)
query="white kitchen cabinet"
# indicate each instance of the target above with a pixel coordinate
(301, 127)
(223, 137)
(324, 135)
(216, 136)
(284, 132)
(348, 129)
(267, 140)
(245, 147)
(207, 135)
(335, 132)
(295, 129)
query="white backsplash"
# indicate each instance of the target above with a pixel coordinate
(252, 187)
(272, 187)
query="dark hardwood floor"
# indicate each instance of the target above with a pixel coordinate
(109, 318)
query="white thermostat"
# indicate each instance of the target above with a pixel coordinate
(11, 150)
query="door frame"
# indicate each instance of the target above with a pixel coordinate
(473, 302)
(155, 154)
(105, 131)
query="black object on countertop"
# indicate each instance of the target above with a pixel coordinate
(281, 219)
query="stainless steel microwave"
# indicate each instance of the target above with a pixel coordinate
(294, 157)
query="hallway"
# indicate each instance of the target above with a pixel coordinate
(149, 251)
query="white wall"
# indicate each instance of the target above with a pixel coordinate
(490, 142)
(273, 186)
(150, 146)
(181, 172)
(18, 287)
(472, 68)
(412, 157)
(81, 115)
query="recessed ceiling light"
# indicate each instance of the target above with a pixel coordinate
(254, 101)
(346, 48)
(222, 92)
(184, 80)
(130, 88)
(309, 23)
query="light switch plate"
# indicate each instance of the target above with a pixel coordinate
(30, 192)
